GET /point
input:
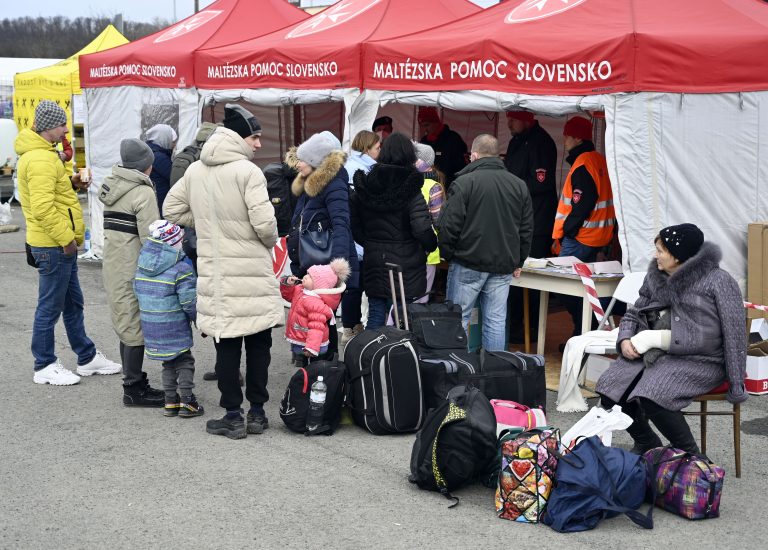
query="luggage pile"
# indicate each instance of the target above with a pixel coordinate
(480, 417)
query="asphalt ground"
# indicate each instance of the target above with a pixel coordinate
(80, 470)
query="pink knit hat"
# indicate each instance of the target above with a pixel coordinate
(328, 276)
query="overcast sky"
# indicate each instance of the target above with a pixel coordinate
(132, 10)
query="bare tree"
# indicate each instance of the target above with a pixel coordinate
(60, 37)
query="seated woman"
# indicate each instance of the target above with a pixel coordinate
(684, 337)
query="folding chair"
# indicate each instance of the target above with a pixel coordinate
(627, 291)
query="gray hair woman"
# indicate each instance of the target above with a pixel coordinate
(683, 338)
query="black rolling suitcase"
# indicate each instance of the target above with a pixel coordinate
(385, 392)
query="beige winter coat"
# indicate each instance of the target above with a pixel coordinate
(224, 196)
(130, 205)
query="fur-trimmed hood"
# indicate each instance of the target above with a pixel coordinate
(388, 186)
(321, 176)
(668, 289)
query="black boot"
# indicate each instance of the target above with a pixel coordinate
(141, 394)
(673, 426)
(643, 435)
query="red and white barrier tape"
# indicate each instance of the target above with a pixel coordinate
(750, 305)
(589, 285)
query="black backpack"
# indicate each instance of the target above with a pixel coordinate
(280, 176)
(294, 406)
(457, 444)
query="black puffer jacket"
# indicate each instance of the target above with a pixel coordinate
(391, 220)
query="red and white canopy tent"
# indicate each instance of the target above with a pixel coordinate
(681, 84)
(130, 89)
(316, 61)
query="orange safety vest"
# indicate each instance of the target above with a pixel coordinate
(598, 227)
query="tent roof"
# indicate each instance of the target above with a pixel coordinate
(65, 72)
(323, 51)
(583, 47)
(164, 59)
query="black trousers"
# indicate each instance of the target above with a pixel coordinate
(257, 359)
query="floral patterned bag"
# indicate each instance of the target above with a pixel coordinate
(528, 463)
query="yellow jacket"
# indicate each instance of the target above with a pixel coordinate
(50, 205)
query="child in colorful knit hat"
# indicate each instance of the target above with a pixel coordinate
(165, 286)
(314, 300)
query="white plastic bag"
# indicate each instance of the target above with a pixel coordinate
(599, 422)
(5, 213)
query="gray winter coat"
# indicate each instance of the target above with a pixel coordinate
(708, 337)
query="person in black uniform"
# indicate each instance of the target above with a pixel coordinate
(450, 150)
(532, 157)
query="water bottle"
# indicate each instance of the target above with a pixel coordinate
(316, 404)
(87, 241)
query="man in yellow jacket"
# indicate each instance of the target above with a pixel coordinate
(54, 230)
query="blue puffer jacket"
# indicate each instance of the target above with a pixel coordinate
(323, 197)
(161, 172)
(165, 286)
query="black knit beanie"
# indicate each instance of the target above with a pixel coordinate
(683, 241)
(241, 121)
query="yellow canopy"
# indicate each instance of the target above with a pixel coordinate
(57, 82)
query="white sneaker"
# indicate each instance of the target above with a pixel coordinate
(56, 375)
(99, 365)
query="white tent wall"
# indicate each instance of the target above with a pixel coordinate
(696, 158)
(672, 158)
(117, 113)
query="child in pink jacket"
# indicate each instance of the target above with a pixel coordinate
(314, 300)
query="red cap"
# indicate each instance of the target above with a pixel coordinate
(578, 127)
(428, 114)
(524, 116)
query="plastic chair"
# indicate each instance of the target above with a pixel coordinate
(627, 291)
(718, 394)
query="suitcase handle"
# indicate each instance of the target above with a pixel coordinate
(392, 268)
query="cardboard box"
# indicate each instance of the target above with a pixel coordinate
(757, 267)
(756, 381)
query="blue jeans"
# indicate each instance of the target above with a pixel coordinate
(378, 310)
(58, 294)
(572, 247)
(466, 286)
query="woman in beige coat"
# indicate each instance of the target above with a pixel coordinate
(224, 197)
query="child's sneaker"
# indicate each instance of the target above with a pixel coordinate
(99, 365)
(191, 408)
(172, 406)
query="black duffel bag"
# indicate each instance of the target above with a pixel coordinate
(514, 376)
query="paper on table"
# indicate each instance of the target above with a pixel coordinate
(604, 267)
(556, 261)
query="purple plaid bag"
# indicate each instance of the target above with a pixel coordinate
(687, 485)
